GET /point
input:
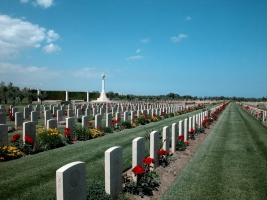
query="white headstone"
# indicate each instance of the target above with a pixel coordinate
(166, 138)
(29, 129)
(71, 181)
(113, 171)
(154, 147)
(174, 136)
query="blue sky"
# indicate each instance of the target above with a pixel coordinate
(144, 47)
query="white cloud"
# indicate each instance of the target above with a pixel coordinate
(51, 48)
(135, 58)
(41, 3)
(188, 18)
(17, 35)
(178, 38)
(51, 36)
(44, 3)
(145, 40)
(138, 50)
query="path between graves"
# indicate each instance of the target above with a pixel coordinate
(230, 164)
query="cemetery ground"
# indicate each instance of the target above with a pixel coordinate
(33, 176)
(230, 164)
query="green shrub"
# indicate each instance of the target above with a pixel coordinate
(108, 129)
(126, 124)
(48, 139)
(141, 120)
(81, 133)
(96, 190)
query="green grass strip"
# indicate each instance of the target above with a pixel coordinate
(230, 164)
(33, 177)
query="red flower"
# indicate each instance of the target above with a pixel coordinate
(66, 133)
(181, 137)
(138, 169)
(187, 143)
(162, 152)
(28, 139)
(119, 119)
(10, 115)
(67, 129)
(148, 160)
(191, 131)
(90, 123)
(13, 140)
(101, 128)
(16, 136)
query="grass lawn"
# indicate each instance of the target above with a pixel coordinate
(230, 164)
(33, 177)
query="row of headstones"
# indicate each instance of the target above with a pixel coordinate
(75, 188)
(255, 110)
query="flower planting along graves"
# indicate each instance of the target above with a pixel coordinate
(71, 181)
(113, 171)
(34, 117)
(3, 135)
(18, 119)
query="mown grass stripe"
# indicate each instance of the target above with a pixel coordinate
(229, 164)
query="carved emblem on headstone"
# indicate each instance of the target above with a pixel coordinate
(75, 177)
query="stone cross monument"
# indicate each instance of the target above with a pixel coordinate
(103, 96)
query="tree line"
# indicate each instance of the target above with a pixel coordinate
(13, 93)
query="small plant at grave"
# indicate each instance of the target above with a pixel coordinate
(81, 133)
(116, 124)
(67, 135)
(107, 129)
(79, 120)
(126, 125)
(141, 120)
(171, 115)
(154, 118)
(9, 153)
(192, 134)
(180, 145)
(164, 158)
(199, 129)
(28, 146)
(95, 133)
(147, 179)
(11, 117)
(10, 129)
(96, 190)
(16, 140)
(48, 139)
